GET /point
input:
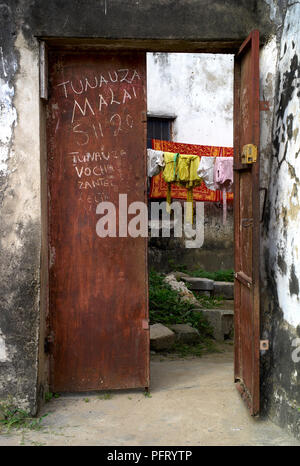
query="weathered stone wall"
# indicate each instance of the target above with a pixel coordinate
(20, 212)
(216, 253)
(280, 260)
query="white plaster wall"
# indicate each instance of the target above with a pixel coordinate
(283, 238)
(198, 89)
(20, 226)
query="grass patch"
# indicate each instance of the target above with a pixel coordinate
(207, 302)
(49, 396)
(183, 350)
(18, 418)
(105, 396)
(166, 306)
(218, 276)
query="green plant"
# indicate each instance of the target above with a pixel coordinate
(176, 267)
(147, 394)
(18, 418)
(50, 395)
(219, 276)
(166, 306)
(87, 400)
(105, 396)
(208, 302)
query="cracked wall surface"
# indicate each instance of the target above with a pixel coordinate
(280, 260)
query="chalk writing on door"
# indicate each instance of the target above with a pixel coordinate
(97, 113)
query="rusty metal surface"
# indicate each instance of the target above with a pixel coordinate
(96, 142)
(247, 220)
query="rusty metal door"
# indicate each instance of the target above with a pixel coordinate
(98, 296)
(247, 218)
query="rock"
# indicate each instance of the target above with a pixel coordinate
(224, 289)
(221, 321)
(180, 287)
(185, 333)
(199, 284)
(161, 337)
(180, 275)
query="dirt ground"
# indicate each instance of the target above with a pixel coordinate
(192, 402)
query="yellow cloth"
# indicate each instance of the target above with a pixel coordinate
(182, 170)
(170, 168)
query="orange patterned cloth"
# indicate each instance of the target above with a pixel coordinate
(200, 193)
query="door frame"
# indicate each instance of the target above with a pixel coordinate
(79, 45)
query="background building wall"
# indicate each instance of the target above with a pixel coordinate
(197, 89)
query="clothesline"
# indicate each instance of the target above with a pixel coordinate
(190, 171)
(158, 188)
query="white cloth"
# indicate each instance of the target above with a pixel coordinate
(155, 161)
(206, 171)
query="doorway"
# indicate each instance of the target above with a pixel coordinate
(123, 359)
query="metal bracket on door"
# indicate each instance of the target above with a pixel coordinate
(264, 345)
(264, 105)
(249, 154)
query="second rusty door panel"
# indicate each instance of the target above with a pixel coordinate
(247, 220)
(97, 285)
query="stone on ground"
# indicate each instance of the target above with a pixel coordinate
(185, 333)
(199, 284)
(179, 275)
(224, 289)
(161, 337)
(180, 287)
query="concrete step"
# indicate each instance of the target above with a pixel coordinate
(224, 289)
(185, 333)
(221, 321)
(199, 284)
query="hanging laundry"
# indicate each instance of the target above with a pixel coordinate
(206, 171)
(155, 161)
(187, 176)
(181, 169)
(223, 179)
(223, 173)
(201, 193)
(169, 174)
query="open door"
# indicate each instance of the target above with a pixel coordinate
(247, 219)
(98, 286)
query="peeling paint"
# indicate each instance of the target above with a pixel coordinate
(3, 350)
(8, 119)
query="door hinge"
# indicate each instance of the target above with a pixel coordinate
(249, 154)
(144, 117)
(49, 339)
(264, 105)
(145, 324)
(264, 345)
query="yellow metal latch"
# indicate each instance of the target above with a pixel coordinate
(249, 153)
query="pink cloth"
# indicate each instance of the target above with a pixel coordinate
(223, 173)
(223, 179)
